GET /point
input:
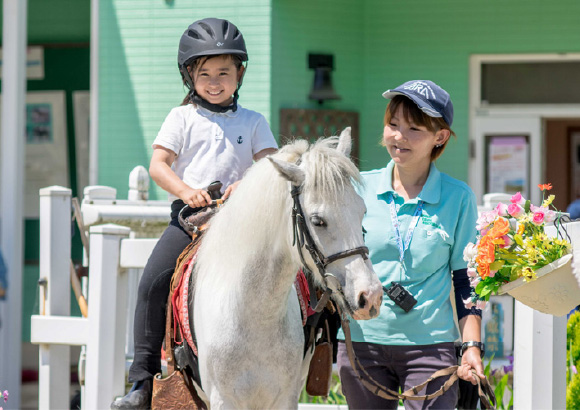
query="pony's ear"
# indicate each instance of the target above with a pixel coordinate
(290, 171)
(344, 142)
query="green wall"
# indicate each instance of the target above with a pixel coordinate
(139, 81)
(379, 44)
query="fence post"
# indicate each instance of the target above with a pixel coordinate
(55, 253)
(105, 368)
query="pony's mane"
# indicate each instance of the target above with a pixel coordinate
(257, 215)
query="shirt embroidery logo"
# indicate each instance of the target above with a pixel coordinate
(240, 139)
(422, 88)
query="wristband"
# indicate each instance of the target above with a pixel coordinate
(466, 345)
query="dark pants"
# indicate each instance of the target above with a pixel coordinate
(149, 326)
(394, 367)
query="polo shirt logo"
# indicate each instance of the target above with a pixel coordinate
(240, 139)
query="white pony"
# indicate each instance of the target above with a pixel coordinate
(246, 313)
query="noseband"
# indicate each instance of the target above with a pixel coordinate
(303, 238)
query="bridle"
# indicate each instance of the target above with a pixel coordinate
(303, 239)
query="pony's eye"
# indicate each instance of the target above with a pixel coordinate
(317, 220)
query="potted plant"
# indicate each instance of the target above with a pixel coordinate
(514, 255)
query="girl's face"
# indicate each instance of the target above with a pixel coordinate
(410, 144)
(217, 79)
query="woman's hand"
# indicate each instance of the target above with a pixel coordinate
(230, 190)
(471, 360)
(195, 198)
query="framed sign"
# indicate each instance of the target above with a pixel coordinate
(46, 149)
(508, 164)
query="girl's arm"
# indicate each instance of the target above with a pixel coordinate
(161, 172)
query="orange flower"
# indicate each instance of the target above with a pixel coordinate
(485, 250)
(545, 187)
(483, 269)
(501, 227)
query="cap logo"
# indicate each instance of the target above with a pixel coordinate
(421, 88)
(219, 44)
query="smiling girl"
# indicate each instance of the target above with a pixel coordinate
(210, 137)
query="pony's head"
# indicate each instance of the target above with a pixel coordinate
(329, 214)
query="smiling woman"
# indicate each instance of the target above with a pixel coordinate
(417, 254)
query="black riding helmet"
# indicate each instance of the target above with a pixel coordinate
(209, 37)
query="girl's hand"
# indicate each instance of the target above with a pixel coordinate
(471, 359)
(230, 190)
(195, 198)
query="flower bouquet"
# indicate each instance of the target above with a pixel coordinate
(513, 254)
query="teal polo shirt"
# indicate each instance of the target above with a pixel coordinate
(445, 226)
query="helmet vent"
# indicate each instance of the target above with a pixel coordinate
(236, 35)
(208, 29)
(225, 28)
(193, 34)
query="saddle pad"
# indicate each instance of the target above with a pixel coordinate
(180, 306)
(301, 285)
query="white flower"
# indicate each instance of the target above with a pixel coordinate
(470, 252)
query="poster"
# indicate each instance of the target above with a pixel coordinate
(508, 165)
(46, 150)
(34, 63)
(81, 111)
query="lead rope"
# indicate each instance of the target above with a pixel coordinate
(486, 394)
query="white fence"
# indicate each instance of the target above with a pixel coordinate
(539, 339)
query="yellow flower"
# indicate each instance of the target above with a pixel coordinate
(528, 274)
(547, 202)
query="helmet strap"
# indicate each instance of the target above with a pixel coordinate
(196, 99)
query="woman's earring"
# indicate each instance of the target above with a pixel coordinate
(438, 145)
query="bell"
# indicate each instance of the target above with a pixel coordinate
(322, 86)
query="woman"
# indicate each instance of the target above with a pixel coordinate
(418, 222)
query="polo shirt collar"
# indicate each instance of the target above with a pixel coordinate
(431, 192)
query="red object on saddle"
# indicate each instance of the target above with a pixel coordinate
(180, 307)
(303, 292)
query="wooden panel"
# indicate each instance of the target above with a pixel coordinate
(312, 124)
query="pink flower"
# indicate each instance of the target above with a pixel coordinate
(518, 199)
(515, 210)
(468, 303)
(491, 273)
(501, 209)
(538, 218)
(480, 304)
(507, 242)
(549, 216)
(485, 219)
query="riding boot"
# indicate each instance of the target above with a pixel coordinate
(139, 397)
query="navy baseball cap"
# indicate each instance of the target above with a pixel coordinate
(429, 97)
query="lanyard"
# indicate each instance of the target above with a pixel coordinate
(404, 246)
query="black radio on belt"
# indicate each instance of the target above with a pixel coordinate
(400, 296)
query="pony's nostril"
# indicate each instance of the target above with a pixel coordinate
(362, 300)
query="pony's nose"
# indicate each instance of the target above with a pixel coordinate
(370, 303)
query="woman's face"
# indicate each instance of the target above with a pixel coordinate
(410, 144)
(217, 79)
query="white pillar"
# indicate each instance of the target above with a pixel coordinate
(12, 192)
(55, 254)
(539, 360)
(105, 368)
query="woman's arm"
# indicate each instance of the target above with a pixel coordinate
(161, 172)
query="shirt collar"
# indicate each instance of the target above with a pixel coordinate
(431, 192)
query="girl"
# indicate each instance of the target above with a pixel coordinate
(208, 138)
(418, 222)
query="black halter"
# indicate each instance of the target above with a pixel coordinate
(302, 238)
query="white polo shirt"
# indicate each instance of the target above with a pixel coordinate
(213, 146)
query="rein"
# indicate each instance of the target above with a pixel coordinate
(303, 238)
(486, 394)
